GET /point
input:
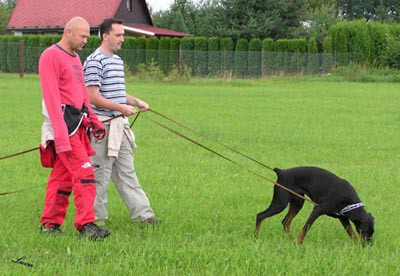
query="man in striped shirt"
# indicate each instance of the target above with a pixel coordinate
(105, 82)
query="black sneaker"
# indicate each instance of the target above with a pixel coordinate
(93, 232)
(51, 230)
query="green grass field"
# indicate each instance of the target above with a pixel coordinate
(208, 204)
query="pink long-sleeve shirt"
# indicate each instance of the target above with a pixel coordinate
(62, 82)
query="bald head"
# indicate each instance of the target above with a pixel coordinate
(76, 23)
(76, 33)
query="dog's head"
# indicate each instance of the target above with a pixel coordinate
(365, 227)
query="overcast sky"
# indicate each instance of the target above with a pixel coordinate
(161, 5)
(158, 5)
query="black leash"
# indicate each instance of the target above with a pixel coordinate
(26, 151)
(33, 149)
(218, 143)
(18, 153)
(20, 191)
(230, 160)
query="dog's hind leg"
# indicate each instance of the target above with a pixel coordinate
(279, 202)
(295, 206)
(347, 226)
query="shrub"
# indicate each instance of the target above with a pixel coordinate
(174, 51)
(228, 56)
(128, 53)
(241, 53)
(187, 47)
(200, 56)
(313, 56)
(254, 58)
(152, 50)
(214, 56)
(268, 58)
(141, 50)
(164, 55)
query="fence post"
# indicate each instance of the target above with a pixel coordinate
(180, 61)
(21, 58)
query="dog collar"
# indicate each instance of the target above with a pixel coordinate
(351, 207)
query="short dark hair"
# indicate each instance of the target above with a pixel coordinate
(106, 25)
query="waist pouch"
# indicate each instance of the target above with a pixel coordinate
(73, 117)
(47, 154)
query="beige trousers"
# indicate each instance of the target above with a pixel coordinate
(122, 171)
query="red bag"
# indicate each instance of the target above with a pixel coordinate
(47, 154)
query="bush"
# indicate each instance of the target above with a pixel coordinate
(228, 55)
(164, 55)
(152, 50)
(150, 72)
(200, 56)
(128, 53)
(254, 58)
(313, 56)
(174, 51)
(392, 55)
(214, 56)
(141, 50)
(187, 47)
(268, 59)
(241, 54)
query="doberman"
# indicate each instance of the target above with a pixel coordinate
(334, 197)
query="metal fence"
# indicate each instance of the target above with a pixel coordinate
(15, 57)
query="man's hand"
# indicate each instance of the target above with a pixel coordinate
(99, 134)
(127, 110)
(143, 106)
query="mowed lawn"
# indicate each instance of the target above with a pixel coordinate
(209, 205)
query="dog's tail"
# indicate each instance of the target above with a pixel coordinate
(277, 171)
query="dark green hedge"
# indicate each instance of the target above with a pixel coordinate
(214, 56)
(254, 60)
(241, 54)
(200, 56)
(152, 50)
(163, 55)
(187, 47)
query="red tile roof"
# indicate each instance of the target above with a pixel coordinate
(53, 15)
(44, 14)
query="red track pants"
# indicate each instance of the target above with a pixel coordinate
(72, 172)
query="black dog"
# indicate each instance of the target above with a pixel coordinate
(335, 197)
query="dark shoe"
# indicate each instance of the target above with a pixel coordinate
(93, 232)
(51, 230)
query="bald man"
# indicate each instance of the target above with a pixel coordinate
(65, 145)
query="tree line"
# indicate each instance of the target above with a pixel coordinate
(356, 41)
(274, 19)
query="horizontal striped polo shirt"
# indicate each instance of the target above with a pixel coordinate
(106, 72)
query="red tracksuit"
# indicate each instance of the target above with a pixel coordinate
(61, 79)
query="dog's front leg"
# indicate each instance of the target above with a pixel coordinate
(316, 212)
(347, 226)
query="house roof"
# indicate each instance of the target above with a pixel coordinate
(42, 15)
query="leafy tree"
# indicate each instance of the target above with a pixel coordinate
(260, 19)
(179, 24)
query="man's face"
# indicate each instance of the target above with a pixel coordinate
(115, 37)
(79, 35)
